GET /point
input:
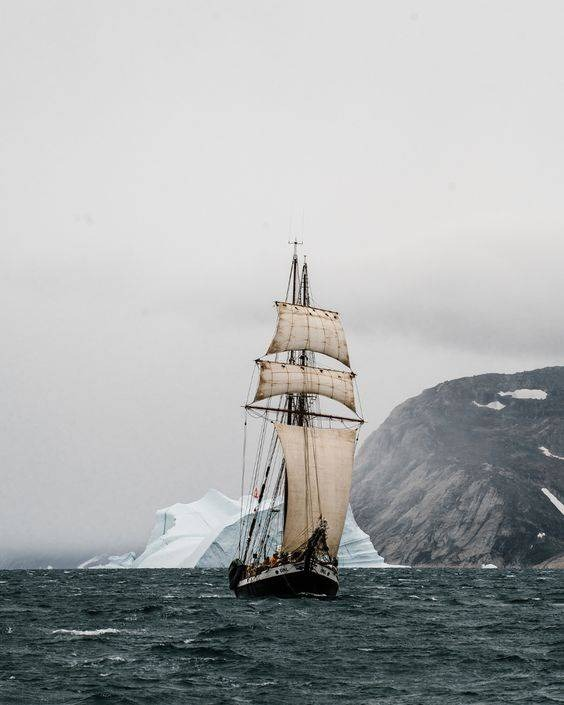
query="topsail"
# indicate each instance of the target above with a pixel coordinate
(307, 328)
(277, 378)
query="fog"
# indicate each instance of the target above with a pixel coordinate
(155, 158)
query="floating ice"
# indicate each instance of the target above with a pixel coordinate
(497, 405)
(525, 394)
(548, 454)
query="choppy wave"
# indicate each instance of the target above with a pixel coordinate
(483, 637)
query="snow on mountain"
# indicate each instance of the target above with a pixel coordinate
(548, 454)
(496, 405)
(525, 394)
(557, 503)
(205, 534)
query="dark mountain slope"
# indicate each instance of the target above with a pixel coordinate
(446, 482)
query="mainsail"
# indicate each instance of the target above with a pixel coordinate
(277, 378)
(306, 328)
(319, 465)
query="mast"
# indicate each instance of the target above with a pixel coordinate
(304, 300)
(291, 360)
(295, 284)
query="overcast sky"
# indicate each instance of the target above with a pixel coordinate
(154, 159)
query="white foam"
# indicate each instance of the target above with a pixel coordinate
(525, 394)
(548, 454)
(497, 405)
(86, 632)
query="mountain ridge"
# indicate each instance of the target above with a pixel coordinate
(454, 476)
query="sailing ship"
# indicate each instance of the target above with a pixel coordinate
(293, 517)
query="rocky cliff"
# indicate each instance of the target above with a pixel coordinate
(454, 476)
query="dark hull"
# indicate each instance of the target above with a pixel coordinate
(291, 583)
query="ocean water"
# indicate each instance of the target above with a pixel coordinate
(179, 636)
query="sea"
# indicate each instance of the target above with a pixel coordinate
(417, 636)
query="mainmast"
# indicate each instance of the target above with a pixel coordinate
(294, 415)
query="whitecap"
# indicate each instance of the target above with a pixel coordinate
(86, 632)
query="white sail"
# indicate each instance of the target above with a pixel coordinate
(306, 328)
(277, 378)
(319, 465)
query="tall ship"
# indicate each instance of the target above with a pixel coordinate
(298, 483)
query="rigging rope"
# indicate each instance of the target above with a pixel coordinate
(242, 483)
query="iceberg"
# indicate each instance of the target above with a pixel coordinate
(205, 534)
(183, 532)
(356, 549)
(112, 562)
